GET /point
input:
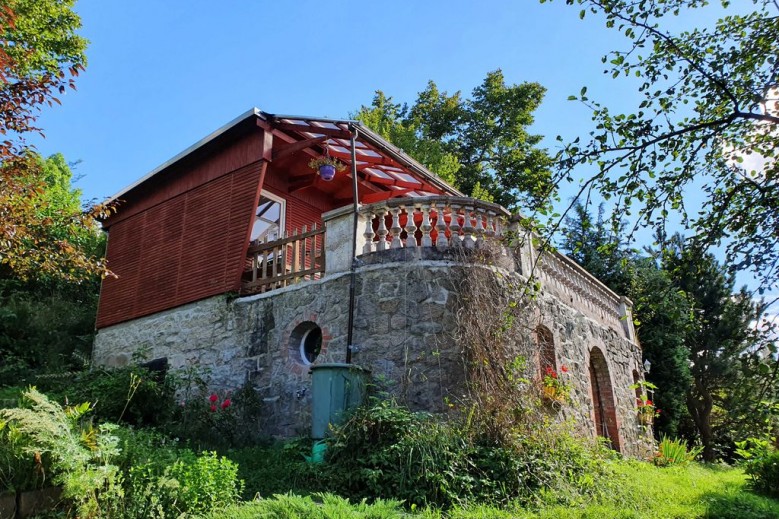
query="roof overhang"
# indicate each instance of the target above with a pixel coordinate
(378, 160)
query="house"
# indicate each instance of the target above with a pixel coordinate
(237, 257)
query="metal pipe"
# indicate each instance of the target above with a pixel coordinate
(353, 275)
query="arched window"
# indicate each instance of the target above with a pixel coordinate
(605, 415)
(546, 353)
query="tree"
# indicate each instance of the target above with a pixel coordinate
(721, 341)
(708, 120)
(47, 321)
(661, 312)
(40, 55)
(480, 144)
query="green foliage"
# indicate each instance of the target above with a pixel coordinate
(319, 506)
(133, 395)
(47, 322)
(672, 451)
(81, 454)
(706, 122)
(277, 468)
(385, 450)
(214, 419)
(480, 145)
(761, 463)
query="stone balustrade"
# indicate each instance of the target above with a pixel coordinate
(573, 285)
(435, 221)
(444, 223)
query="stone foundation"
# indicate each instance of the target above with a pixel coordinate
(406, 314)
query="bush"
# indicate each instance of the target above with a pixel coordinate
(761, 463)
(164, 479)
(387, 451)
(277, 468)
(131, 395)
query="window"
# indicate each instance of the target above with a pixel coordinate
(546, 353)
(305, 343)
(269, 219)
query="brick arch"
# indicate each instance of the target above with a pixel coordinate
(546, 350)
(602, 392)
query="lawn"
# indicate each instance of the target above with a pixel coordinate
(636, 490)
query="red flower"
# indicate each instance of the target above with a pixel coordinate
(213, 408)
(649, 403)
(657, 411)
(564, 368)
(226, 403)
(549, 370)
(554, 374)
(213, 398)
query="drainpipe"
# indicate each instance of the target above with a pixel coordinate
(353, 274)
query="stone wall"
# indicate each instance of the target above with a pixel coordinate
(406, 318)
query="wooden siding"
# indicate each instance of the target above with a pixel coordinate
(184, 249)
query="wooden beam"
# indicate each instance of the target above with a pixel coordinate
(267, 145)
(370, 198)
(301, 184)
(380, 161)
(287, 127)
(298, 146)
(240, 261)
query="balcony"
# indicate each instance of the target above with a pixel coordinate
(431, 228)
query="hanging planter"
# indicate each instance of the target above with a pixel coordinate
(327, 167)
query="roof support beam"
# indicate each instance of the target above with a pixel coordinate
(298, 146)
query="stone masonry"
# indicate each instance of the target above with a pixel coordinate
(405, 310)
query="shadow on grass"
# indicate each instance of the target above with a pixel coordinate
(737, 502)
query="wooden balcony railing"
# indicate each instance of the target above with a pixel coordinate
(285, 261)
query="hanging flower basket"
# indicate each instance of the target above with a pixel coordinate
(327, 166)
(646, 418)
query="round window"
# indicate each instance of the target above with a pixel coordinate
(311, 344)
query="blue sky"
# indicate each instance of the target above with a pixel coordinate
(163, 74)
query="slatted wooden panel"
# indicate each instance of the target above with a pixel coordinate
(184, 249)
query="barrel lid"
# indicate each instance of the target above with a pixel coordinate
(338, 366)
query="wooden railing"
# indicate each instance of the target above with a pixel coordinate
(282, 262)
(440, 221)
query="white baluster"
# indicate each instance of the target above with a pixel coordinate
(382, 229)
(479, 228)
(490, 225)
(396, 229)
(410, 228)
(441, 242)
(426, 227)
(368, 234)
(454, 225)
(468, 239)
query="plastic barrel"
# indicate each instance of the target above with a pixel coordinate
(335, 388)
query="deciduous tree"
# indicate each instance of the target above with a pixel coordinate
(40, 55)
(707, 121)
(481, 144)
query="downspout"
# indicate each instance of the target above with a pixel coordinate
(353, 273)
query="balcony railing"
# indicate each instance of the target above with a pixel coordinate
(442, 223)
(284, 261)
(437, 221)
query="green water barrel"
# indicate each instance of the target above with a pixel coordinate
(335, 388)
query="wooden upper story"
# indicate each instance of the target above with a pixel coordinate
(183, 232)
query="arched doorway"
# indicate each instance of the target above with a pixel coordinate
(603, 399)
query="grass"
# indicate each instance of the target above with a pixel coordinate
(636, 491)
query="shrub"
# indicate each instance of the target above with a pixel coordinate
(133, 395)
(387, 451)
(761, 463)
(277, 468)
(80, 453)
(164, 479)
(674, 452)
